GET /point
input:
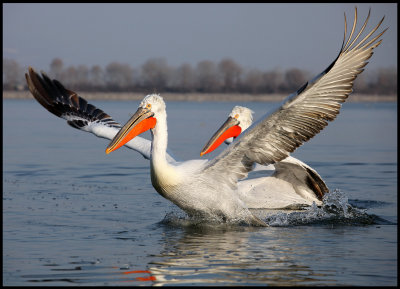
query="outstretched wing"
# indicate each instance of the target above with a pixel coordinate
(78, 113)
(302, 115)
(64, 103)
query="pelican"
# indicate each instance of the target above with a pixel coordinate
(293, 183)
(210, 188)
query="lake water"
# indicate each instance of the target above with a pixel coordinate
(73, 215)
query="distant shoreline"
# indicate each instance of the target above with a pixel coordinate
(199, 97)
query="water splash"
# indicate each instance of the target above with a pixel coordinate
(181, 219)
(335, 209)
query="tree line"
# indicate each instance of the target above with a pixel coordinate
(156, 75)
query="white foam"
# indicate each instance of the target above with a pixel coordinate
(335, 209)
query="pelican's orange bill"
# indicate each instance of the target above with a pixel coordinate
(140, 122)
(229, 129)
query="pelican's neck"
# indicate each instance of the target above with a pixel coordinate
(160, 141)
(164, 175)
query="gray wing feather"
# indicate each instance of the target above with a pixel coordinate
(301, 116)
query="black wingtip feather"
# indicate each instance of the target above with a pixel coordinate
(64, 103)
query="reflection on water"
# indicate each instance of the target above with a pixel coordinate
(84, 274)
(212, 254)
(234, 257)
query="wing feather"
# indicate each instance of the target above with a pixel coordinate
(78, 113)
(66, 104)
(302, 115)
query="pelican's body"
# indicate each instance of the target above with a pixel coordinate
(293, 184)
(186, 184)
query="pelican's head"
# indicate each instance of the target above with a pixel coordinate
(145, 118)
(238, 121)
(153, 102)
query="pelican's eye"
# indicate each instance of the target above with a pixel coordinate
(148, 106)
(237, 116)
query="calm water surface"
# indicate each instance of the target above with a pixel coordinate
(73, 215)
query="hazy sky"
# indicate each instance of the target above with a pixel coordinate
(263, 36)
